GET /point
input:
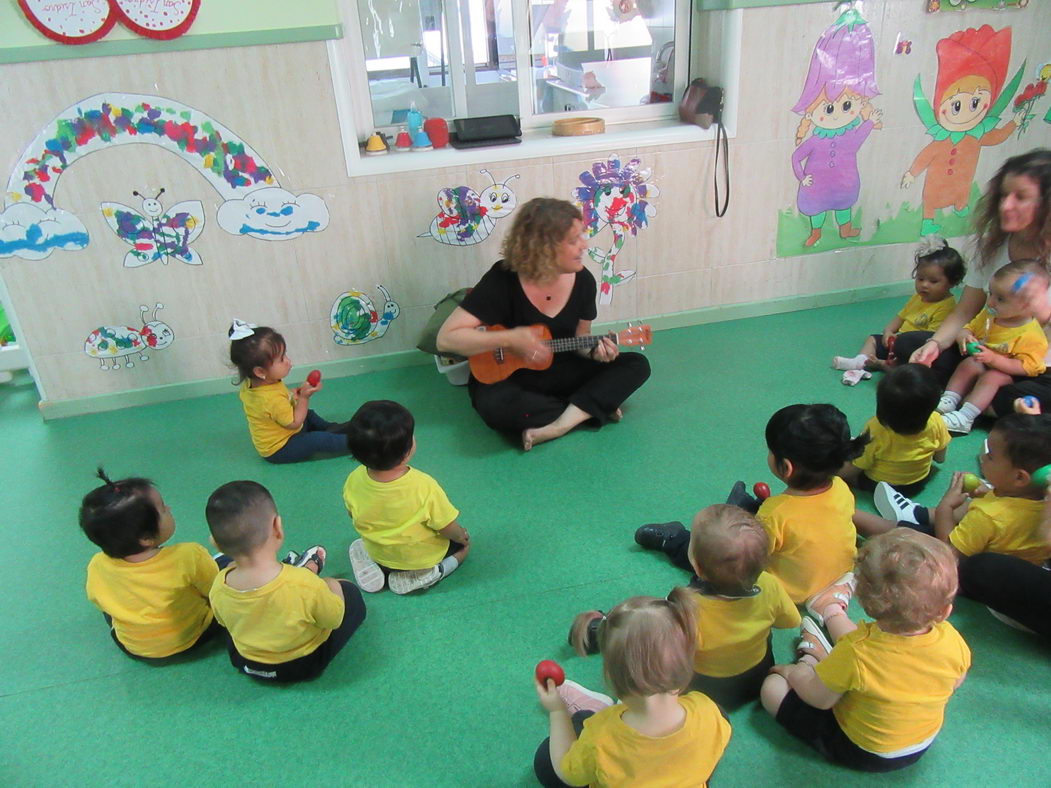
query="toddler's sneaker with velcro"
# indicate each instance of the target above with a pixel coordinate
(409, 580)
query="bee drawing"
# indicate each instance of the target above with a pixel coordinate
(156, 234)
(467, 217)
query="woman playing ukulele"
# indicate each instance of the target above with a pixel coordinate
(542, 280)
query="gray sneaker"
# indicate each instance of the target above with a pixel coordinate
(407, 581)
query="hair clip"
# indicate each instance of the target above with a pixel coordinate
(929, 244)
(239, 329)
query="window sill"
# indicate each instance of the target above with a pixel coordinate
(537, 143)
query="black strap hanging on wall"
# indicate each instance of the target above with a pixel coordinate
(723, 143)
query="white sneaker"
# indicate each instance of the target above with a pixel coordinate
(957, 423)
(948, 402)
(409, 580)
(367, 573)
(578, 698)
(894, 506)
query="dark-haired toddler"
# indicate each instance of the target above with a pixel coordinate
(410, 538)
(907, 433)
(154, 597)
(282, 425)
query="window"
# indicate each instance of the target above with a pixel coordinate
(462, 58)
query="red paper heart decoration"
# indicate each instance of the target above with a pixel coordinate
(149, 18)
(71, 23)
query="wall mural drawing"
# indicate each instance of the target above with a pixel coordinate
(156, 234)
(32, 226)
(112, 343)
(620, 197)
(838, 116)
(969, 98)
(354, 318)
(466, 217)
(1026, 101)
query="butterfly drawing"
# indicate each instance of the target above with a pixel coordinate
(156, 234)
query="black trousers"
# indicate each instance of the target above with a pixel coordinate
(946, 363)
(542, 766)
(531, 398)
(313, 664)
(1009, 585)
(730, 692)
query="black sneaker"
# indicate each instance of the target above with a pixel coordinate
(654, 535)
(739, 497)
(583, 634)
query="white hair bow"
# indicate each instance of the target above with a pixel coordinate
(239, 329)
(929, 244)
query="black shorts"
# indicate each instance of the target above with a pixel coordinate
(820, 729)
(731, 692)
(313, 664)
(910, 490)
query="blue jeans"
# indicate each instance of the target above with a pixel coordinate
(315, 438)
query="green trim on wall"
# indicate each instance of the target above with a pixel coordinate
(226, 23)
(413, 358)
(721, 5)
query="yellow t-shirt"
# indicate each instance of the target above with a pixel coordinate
(1010, 526)
(894, 687)
(611, 753)
(399, 520)
(285, 619)
(902, 459)
(1026, 343)
(159, 606)
(812, 538)
(919, 315)
(732, 632)
(268, 410)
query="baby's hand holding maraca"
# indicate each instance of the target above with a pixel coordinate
(1027, 404)
(547, 677)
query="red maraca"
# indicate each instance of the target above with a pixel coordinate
(314, 377)
(761, 490)
(549, 669)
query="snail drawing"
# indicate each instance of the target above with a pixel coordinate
(115, 342)
(355, 319)
(467, 217)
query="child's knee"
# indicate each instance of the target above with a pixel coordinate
(334, 586)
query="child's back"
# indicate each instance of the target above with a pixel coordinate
(1005, 525)
(812, 538)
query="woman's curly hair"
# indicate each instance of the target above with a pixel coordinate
(530, 247)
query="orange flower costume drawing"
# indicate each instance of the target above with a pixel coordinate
(970, 96)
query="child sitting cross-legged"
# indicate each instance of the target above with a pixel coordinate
(737, 604)
(285, 622)
(410, 538)
(875, 701)
(1005, 519)
(907, 433)
(659, 734)
(154, 596)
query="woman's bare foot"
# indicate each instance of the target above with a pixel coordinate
(570, 418)
(616, 415)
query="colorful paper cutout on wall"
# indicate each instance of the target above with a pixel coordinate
(156, 234)
(934, 6)
(355, 320)
(466, 217)
(620, 197)
(31, 226)
(838, 116)
(969, 98)
(1034, 92)
(71, 23)
(112, 343)
(164, 21)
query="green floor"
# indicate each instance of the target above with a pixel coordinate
(436, 689)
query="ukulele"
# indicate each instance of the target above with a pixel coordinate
(496, 365)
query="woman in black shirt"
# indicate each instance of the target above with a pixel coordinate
(542, 280)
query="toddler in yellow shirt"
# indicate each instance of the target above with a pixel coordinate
(737, 604)
(876, 700)
(286, 623)
(938, 269)
(154, 596)
(659, 734)
(1005, 343)
(907, 433)
(282, 425)
(1006, 519)
(410, 537)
